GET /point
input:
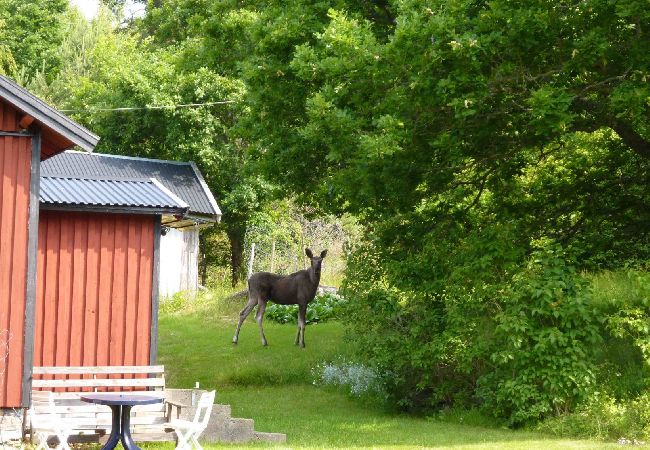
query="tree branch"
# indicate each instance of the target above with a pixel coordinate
(631, 138)
(602, 117)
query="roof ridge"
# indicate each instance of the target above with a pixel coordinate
(98, 178)
(135, 158)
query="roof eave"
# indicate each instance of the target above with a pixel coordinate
(115, 209)
(47, 116)
(193, 219)
(206, 189)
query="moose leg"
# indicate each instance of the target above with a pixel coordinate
(259, 317)
(252, 301)
(302, 311)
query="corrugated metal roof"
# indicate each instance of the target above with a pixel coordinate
(27, 102)
(109, 193)
(181, 178)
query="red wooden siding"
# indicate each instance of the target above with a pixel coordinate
(15, 171)
(94, 289)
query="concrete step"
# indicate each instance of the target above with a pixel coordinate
(221, 410)
(238, 430)
(269, 437)
(11, 426)
(221, 426)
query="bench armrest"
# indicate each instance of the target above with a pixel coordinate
(169, 404)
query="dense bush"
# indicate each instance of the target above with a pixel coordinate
(604, 417)
(620, 408)
(544, 337)
(525, 340)
(324, 307)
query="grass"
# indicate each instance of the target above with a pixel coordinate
(274, 387)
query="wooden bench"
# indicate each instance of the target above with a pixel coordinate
(92, 421)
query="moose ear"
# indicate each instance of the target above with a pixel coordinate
(309, 253)
(323, 254)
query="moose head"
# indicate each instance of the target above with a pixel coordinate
(316, 261)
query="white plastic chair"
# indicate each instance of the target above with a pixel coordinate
(188, 432)
(46, 423)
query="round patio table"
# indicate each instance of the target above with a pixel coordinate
(121, 405)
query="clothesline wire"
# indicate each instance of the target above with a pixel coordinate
(139, 108)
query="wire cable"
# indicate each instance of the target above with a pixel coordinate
(140, 108)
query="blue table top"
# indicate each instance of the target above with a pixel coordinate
(122, 399)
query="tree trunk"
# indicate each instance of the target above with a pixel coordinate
(203, 268)
(236, 255)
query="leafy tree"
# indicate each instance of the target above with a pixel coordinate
(462, 133)
(107, 68)
(457, 94)
(7, 62)
(33, 34)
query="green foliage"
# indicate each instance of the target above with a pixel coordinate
(107, 67)
(603, 417)
(461, 133)
(323, 308)
(544, 336)
(451, 97)
(620, 297)
(630, 319)
(7, 61)
(33, 32)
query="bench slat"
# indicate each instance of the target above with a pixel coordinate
(72, 398)
(97, 370)
(107, 382)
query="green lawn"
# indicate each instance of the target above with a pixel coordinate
(273, 386)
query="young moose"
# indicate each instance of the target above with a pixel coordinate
(296, 289)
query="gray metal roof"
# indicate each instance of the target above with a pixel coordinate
(107, 194)
(181, 178)
(45, 114)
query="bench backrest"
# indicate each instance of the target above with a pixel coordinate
(99, 378)
(68, 383)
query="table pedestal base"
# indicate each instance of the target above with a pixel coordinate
(120, 430)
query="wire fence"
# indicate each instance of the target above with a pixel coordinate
(279, 247)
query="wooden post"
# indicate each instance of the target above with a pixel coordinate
(250, 260)
(273, 257)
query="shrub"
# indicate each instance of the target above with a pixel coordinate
(324, 307)
(603, 417)
(544, 337)
(431, 329)
(174, 303)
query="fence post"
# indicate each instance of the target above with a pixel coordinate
(250, 261)
(273, 256)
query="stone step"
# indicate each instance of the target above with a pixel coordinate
(221, 410)
(261, 436)
(221, 426)
(239, 430)
(10, 426)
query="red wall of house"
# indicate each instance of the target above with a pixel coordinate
(94, 289)
(15, 174)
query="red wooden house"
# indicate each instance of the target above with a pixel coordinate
(79, 274)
